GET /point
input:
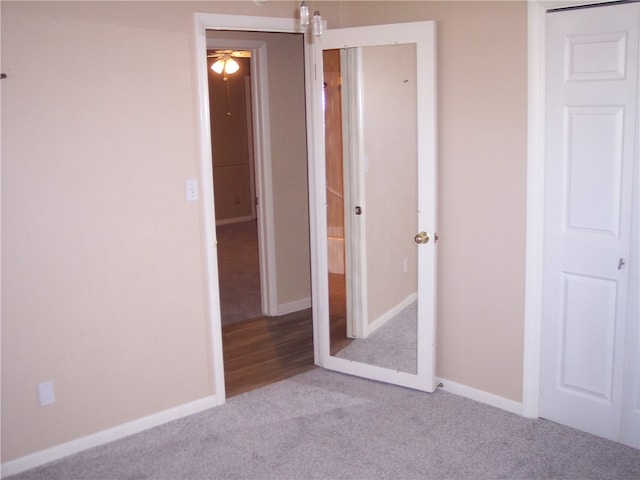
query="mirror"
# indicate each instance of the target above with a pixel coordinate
(371, 154)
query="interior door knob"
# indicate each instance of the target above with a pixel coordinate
(422, 237)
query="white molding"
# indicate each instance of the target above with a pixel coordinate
(294, 306)
(317, 201)
(215, 21)
(264, 180)
(389, 314)
(209, 243)
(109, 435)
(481, 396)
(535, 211)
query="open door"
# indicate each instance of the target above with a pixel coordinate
(375, 96)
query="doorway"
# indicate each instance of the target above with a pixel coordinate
(268, 343)
(230, 107)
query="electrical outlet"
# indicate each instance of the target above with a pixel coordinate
(46, 394)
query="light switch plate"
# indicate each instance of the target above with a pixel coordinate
(46, 394)
(191, 190)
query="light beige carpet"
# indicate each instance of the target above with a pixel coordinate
(325, 426)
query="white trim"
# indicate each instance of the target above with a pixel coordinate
(109, 435)
(209, 242)
(264, 183)
(535, 212)
(249, 109)
(317, 201)
(481, 396)
(294, 306)
(354, 195)
(214, 21)
(389, 314)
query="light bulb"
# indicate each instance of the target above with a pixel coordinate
(317, 24)
(304, 14)
(231, 66)
(218, 66)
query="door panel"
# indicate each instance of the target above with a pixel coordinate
(592, 79)
(594, 163)
(386, 77)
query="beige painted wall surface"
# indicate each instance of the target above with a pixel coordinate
(230, 143)
(391, 188)
(102, 270)
(103, 273)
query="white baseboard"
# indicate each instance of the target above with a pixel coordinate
(388, 315)
(295, 306)
(481, 396)
(105, 436)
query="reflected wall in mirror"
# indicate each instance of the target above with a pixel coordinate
(370, 111)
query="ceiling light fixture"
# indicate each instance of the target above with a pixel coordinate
(226, 65)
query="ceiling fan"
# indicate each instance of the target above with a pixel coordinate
(231, 53)
(225, 64)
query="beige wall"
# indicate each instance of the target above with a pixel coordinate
(102, 268)
(391, 189)
(230, 127)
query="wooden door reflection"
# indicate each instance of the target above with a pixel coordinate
(335, 200)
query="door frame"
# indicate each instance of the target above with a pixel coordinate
(537, 29)
(211, 21)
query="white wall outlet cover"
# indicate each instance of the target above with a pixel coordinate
(46, 394)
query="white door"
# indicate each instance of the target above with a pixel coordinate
(396, 129)
(588, 380)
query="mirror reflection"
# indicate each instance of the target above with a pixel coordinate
(372, 196)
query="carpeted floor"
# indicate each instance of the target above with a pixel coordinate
(238, 271)
(394, 345)
(325, 425)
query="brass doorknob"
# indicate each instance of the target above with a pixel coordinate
(422, 237)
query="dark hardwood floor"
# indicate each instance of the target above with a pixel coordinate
(337, 313)
(265, 350)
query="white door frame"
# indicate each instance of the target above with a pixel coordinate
(202, 23)
(536, 20)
